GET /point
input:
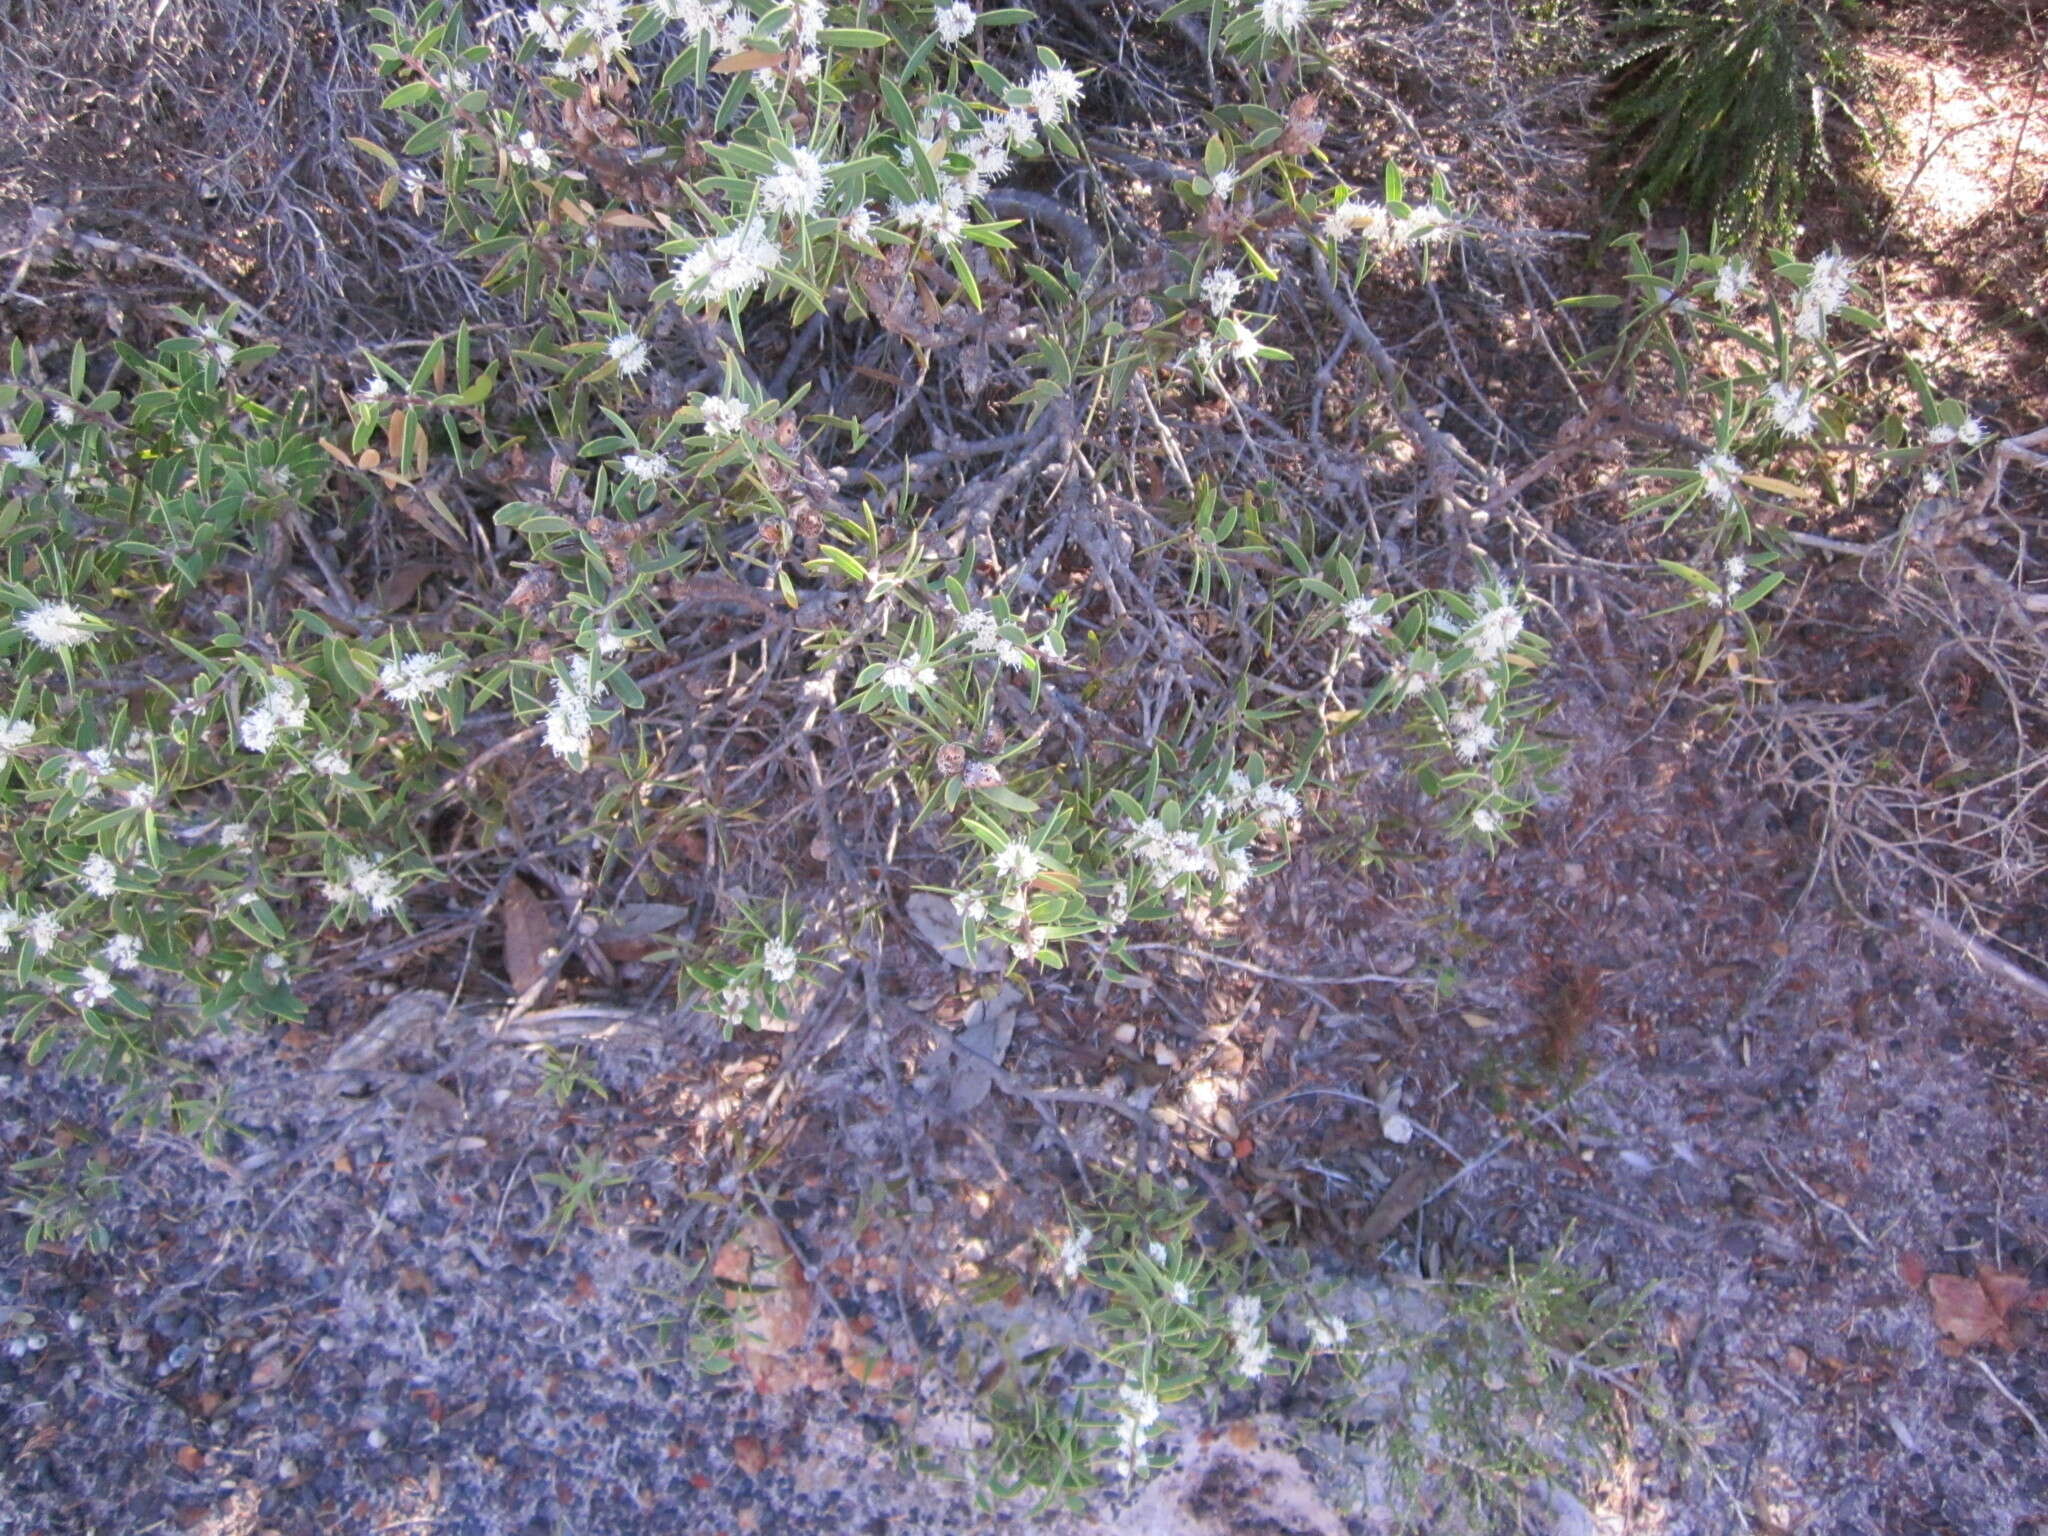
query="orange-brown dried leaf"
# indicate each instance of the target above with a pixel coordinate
(1979, 1309)
(529, 934)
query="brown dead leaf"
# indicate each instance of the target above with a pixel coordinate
(269, 1372)
(529, 934)
(1979, 1309)
(772, 1305)
(750, 1454)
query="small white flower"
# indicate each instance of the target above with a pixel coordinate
(1941, 434)
(413, 180)
(1019, 861)
(971, 906)
(629, 351)
(411, 678)
(1355, 216)
(1394, 1125)
(98, 875)
(123, 952)
(1019, 129)
(236, 834)
(1275, 807)
(334, 764)
(724, 416)
(1012, 655)
(1054, 93)
(1156, 1252)
(1791, 409)
(377, 887)
(1494, 632)
(645, 466)
(1179, 1294)
(43, 931)
(373, 389)
(1733, 282)
(1735, 571)
(1282, 18)
(778, 961)
(1328, 1332)
(954, 23)
(797, 186)
(1472, 735)
(1074, 1252)
(1828, 287)
(568, 721)
(1932, 483)
(1137, 1410)
(14, 735)
(25, 459)
(1972, 432)
(909, 673)
(64, 413)
(728, 266)
(1224, 182)
(1360, 618)
(1028, 943)
(55, 626)
(94, 987)
(10, 921)
(859, 225)
(282, 711)
(1720, 477)
(1220, 290)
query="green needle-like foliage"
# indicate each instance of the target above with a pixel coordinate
(1722, 107)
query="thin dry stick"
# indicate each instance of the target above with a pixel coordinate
(2007, 1393)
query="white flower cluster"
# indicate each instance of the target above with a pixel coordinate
(1720, 477)
(1252, 1350)
(796, 188)
(1969, 434)
(527, 150)
(1826, 294)
(954, 23)
(909, 673)
(600, 23)
(412, 678)
(1381, 226)
(1073, 1254)
(1792, 409)
(1362, 616)
(1282, 18)
(14, 735)
(728, 266)
(1220, 290)
(364, 879)
(568, 722)
(1171, 856)
(978, 628)
(55, 626)
(99, 877)
(645, 467)
(724, 416)
(778, 962)
(1472, 734)
(1496, 627)
(42, 930)
(1274, 807)
(282, 712)
(1733, 282)
(1137, 1410)
(629, 352)
(1328, 1332)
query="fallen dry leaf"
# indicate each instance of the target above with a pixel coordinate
(749, 1454)
(772, 1304)
(1978, 1309)
(529, 934)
